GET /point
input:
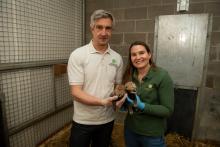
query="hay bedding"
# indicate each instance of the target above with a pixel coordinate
(175, 140)
(61, 139)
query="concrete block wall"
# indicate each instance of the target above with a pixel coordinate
(135, 20)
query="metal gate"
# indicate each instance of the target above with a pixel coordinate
(36, 39)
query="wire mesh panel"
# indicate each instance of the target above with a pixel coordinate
(18, 102)
(41, 30)
(33, 31)
(42, 86)
(28, 94)
(33, 135)
(53, 124)
(25, 138)
(62, 90)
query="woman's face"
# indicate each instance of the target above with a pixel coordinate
(140, 57)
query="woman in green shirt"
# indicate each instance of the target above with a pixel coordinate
(154, 99)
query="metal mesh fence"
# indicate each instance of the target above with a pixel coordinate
(39, 30)
(62, 90)
(28, 94)
(17, 88)
(33, 31)
(42, 86)
(31, 136)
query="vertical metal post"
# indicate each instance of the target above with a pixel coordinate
(84, 22)
(4, 135)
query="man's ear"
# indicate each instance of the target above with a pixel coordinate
(91, 28)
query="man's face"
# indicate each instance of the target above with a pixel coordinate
(102, 31)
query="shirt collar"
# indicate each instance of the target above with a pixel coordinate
(148, 76)
(93, 50)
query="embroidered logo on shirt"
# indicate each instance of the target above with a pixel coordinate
(149, 87)
(113, 63)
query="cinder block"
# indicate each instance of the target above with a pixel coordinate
(213, 8)
(118, 14)
(124, 26)
(161, 10)
(155, 2)
(209, 81)
(151, 41)
(217, 83)
(196, 8)
(122, 3)
(213, 54)
(131, 37)
(216, 24)
(215, 41)
(116, 39)
(136, 13)
(145, 26)
(213, 68)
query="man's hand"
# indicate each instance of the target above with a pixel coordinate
(121, 101)
(108, 101)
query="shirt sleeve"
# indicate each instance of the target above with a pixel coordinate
(166, 99)
(75, 69)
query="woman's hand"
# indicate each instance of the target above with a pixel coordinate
(136, 103)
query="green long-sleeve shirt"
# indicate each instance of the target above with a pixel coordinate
(157, 92)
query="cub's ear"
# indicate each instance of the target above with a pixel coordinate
(119, 91)
(130, 87)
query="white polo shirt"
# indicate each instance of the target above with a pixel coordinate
(97, 73)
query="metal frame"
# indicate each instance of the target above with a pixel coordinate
(5, 130)
(41, 117)
(84, 22)
(13, 66)
(25, 65)
(200, 94)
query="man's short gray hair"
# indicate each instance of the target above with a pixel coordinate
(100, 14)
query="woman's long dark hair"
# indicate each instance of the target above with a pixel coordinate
(130, 68)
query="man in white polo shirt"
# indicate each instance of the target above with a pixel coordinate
(93, 71)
